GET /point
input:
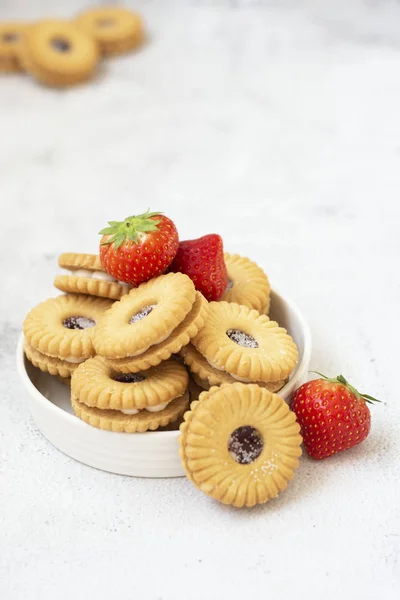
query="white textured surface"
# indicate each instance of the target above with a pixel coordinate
(277, 125)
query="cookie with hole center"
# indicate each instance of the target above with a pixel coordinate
(144, 420)
(249, 346)
(240, 444)
(96, 383)
(11, 38)
(62, 328)
(180, 336)
(59, 54)
(86, 275)
(116, 30)
(248, 284)
(145, 317)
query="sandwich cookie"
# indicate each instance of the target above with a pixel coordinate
(86, 275)
(58, 332)
(248, 284)
(58, 53)
(145, 317)
(240, 444)
(11, 37)
(116, 30)
(245, 344)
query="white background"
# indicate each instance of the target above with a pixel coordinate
(275, 124)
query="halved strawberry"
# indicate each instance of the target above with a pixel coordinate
(203, 261)
(138, 248)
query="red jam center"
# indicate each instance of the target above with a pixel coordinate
(245, 444)
(128, 377)
(78, 323)
(241, 338)
(142, 313)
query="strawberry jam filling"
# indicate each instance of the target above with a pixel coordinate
(142, 313)
(128, 377)
(60, 44)
(241, 338)
(10, 38)
(78, 322)
(245, 445)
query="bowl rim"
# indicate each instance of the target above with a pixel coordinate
(287, 389)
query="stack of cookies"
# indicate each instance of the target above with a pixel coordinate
(135, 356)
(62, 53)
(134, 342)
(118, 355)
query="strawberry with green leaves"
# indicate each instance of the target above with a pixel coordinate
(332, 414)
(203, 261)
(139, 248)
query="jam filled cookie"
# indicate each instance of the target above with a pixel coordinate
(248, 284)
(59, 54)
(87, 276)
(202, 372)
(115, 29)
(206, 376)
(96, 383)
(246, 344)
(180, 336)
(58, 332)
(240, 444)
(11, 36)
(144, 420)
(145, 317)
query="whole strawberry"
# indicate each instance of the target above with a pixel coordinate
(203, 261)
(138, 248)
(332, 414)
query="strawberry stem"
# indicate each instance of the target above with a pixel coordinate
(129, 228)
(343, 381)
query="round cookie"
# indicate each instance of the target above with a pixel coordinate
(63, 327)
(87, 276)
(145, 317)
(201, 370)
(116, 30)
(207, 376)
(180, 336)
(115, 420)
(11, 37)
(49, 364)
(246, 344)
(240, 444)
(96, 383)
(248, 284)
(59, 54)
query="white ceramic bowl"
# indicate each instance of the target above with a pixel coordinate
(152, 454)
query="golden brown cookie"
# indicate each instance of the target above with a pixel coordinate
(201, 370)
(246, 344)
(240, 444)
(87, 276)
(248, 284)
(115, 420)
(180, 336)
(207, 376)
(116, 30)
(63, 327)
(11, 36)
(58, 53)
(96, 383)
(145, 317)
(49, 364)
